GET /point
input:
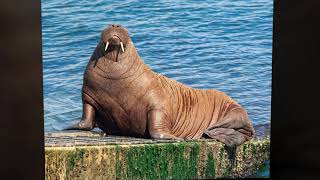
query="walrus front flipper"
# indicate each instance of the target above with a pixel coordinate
(88, 119)
(158, 126)
(82, 125)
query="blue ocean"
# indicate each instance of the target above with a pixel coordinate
(224, 45)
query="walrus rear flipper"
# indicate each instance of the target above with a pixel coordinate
(230, 137)
(234, 129)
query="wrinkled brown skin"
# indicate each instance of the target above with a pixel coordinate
(123, 96)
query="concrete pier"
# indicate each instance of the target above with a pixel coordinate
(91, 155)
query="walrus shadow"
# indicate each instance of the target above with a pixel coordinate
(230, 149)
(231, 152)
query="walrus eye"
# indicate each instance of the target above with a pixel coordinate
(122, 48)
(107, 44)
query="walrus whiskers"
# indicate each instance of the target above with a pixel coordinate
(107, 44)
(122, 48)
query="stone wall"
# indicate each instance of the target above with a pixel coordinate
(153, 160)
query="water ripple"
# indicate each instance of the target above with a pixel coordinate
(224, 45)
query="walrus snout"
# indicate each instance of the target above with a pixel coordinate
(115, 35)
(114, 40)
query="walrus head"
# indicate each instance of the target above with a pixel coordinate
(115, 39)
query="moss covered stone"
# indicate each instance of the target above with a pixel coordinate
(201, 159)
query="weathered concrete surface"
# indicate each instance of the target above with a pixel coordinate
(87, 155)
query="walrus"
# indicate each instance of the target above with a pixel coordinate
(122, 96)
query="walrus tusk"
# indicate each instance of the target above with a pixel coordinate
(107, 44)
(122, 48)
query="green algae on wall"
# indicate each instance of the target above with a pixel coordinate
(74, 156)
(159, 161)
(210, 167)
(179, 160)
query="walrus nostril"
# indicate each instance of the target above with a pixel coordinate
(115, 25)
